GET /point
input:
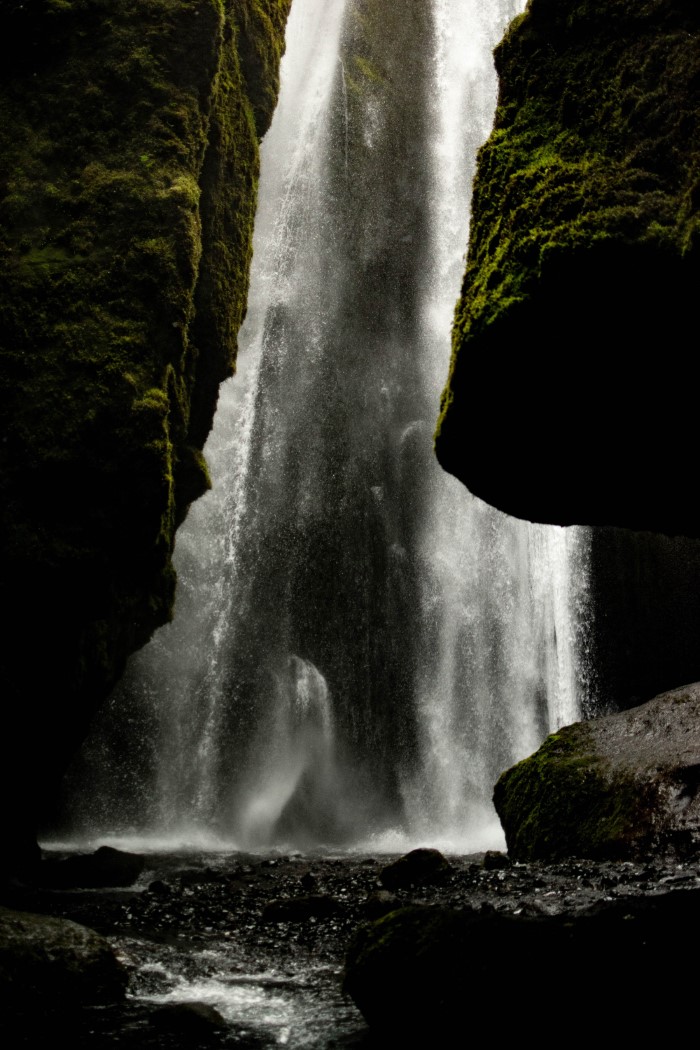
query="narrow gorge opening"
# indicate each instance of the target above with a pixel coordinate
(359, 647)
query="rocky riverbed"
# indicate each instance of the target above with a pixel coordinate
(236, 950)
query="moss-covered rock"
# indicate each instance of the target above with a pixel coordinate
(570, 397)
(128, 171)
(615, 787)
(47, 963)
(432, 973)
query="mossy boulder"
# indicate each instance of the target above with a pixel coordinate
(432, 972)
(128, 174)
(49, 964)
(570, 396)
(616, 787)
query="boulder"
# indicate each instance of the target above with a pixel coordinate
(418, 866)
(105, 867)
(54, 963)
(193, 1019)
(494, 860)
(615, 787)
(433, 970)
(583, 257)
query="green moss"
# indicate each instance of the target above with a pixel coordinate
(128, 173)
(563, 802)
(585, 204)
(260, 36)
(367, 69)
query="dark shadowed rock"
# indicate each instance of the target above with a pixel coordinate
(54, 963)
(132, 228)
(192, 1019)
(308, 881)
(424, 969)
(160, 888)
(495, 860)
(418, 866)
(584, 242)
(620, 786)
(380, 903)
(106, 867)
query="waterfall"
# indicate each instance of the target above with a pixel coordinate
(360, 647)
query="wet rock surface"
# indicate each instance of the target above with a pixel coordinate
(583, 222)
(192, 931)
(52, 967)
(416, 868)
(414, 970)
(621, 786)
(196, 1019)
(91, 496)
(103, 868)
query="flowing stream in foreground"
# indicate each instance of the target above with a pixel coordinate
(360, 647)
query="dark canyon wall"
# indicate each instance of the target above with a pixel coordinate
(128, 173)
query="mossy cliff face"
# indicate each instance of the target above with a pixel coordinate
(622, 786)
(128, 170)
(570, 397)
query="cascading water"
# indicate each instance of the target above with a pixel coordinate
(360, 647)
